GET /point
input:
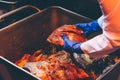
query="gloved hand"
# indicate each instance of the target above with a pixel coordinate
(71, 46)
(90, 27)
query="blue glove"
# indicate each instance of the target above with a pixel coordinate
(90, 27)
(71, 46)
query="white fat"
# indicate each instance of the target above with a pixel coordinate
(34, 67)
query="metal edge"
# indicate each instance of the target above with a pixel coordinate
(106, 73)
(9, 2)
(18, 9)
(39, 13)
(19, 67)
(68, 11)
(18, 22)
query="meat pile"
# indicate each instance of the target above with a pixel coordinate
(71, 31)
(57, 66)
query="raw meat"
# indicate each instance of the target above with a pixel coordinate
(71, 31)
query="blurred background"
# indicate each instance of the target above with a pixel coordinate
(88, 8)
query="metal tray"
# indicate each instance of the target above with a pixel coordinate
(113, 73)
(17, 14)
(29, 34)
(8, 5)
(9, 71)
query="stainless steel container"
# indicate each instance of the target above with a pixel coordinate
(28, 35)
(17, 14)
(9, 5)
(113, 73)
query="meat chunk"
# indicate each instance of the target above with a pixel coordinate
(71, 31)
(55, 67)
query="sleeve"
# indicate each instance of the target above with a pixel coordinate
(109, 40)
(105, 43)
(101, 21)
(98, 46)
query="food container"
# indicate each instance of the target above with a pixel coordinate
(17, 14)
(113, 73)
(29, 34)
(8, 5)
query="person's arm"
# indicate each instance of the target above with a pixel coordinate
(89, 27)
(109, 41)
(98, 46)
(105, 43)
(71, 46)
